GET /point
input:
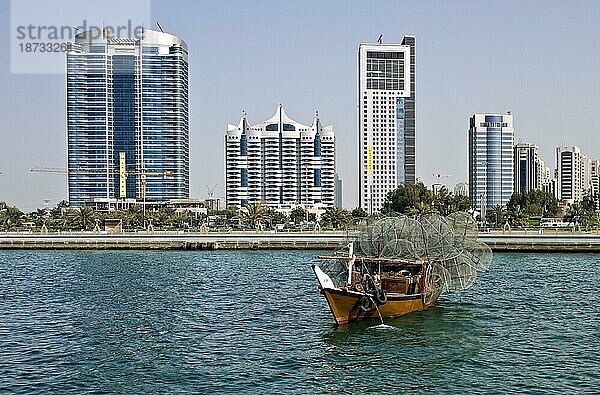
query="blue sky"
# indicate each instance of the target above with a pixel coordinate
(540, 60)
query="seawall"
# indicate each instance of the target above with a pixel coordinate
(498, 242)
(176, 241)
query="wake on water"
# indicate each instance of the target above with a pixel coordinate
(382, 326)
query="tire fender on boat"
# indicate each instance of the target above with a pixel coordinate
(380, 296)
(366, 304)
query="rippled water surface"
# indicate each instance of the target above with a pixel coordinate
(253, 322)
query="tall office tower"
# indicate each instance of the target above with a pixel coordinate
(461, 189)
(386, 120)
(527, 162)
(491, 160)
(338, 190)
(568, 174)
(127, 117)
(280, 162)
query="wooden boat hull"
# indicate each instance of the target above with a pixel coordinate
(345, 305)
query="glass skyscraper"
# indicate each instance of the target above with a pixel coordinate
(527, 167)
(491, 160)
(386, 119)
(127, 117)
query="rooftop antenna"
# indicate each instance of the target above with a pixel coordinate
(380, 39)
(160, 27)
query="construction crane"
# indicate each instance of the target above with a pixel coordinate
(211, 191)
(122, 172)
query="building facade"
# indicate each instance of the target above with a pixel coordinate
(127, 117)
(280, 162)
(527, 167)
(461, 189)
(338, 191)
(491, 160)
(386, 119)
(595, 178)
(568, 174)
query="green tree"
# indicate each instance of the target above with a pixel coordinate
(446, 203)
(298, 215)
(359, 212)
(254, 215)
(85, 217)
(411, 199)
(10, 218)
(518, 217)
(497, 216)
(533, 204)
(135, 216)
(275, 217)
(335, 218)
(38, 217)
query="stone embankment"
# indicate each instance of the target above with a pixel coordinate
(176, 241)
(514, 241)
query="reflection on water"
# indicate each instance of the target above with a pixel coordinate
(253, 321)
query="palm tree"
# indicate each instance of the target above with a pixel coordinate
(135, 214)
(85, 217)
(68, 219)
(497, 216)
(254, 214)
(335, 218)
(10, 218)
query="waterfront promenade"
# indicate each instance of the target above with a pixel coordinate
(176, 240)
(530, 241)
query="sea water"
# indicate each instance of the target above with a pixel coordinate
(254, 322)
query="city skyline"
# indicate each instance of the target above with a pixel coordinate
(553, 97)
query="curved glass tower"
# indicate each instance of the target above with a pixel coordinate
(491, 160)
(127, 117)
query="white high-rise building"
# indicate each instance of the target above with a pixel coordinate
(280, 162)
(461, 189)
(586, 176)
(491, 160)
(568, 174)
(386, 120)
(595, 177)
(543, 174)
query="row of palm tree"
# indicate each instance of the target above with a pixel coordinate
(411, 199)
(65, 218)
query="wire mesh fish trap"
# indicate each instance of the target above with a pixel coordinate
(449, 245)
